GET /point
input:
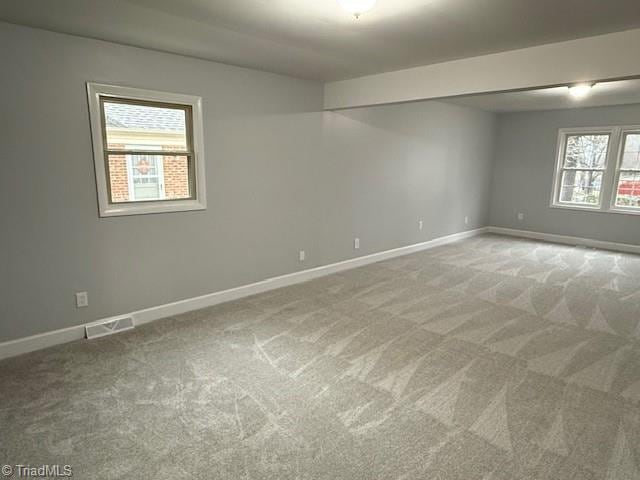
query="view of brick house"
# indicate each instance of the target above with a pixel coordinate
(629, 183)
(629, 190)
(146, 177)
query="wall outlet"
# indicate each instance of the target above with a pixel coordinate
(303, 256)
(466, 220)
(82, 299)
(420, 225)
(356, 243)
(520, 216)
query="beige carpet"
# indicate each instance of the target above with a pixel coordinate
(489, 359)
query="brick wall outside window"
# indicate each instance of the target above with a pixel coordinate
(176, 175)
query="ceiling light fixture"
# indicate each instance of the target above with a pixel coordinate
(357, 7)
(581, 90)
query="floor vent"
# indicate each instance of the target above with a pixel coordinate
(109, 327)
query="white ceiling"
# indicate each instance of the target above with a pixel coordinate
(316, 39)
(602, 94)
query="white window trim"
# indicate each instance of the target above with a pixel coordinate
(107, 209)
(610, 175)
(616, 180)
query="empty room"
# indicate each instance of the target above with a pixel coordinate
(320, 239)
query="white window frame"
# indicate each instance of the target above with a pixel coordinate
(620, 156)
(611, 172)
(95, 92)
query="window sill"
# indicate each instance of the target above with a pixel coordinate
(146, 208)
(595, 209)
(624, 211)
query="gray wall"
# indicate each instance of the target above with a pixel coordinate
(523, 174)
(281, 176)
(385, 168)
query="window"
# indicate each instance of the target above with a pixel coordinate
(147, 150)
(598, 169)
(628, 184)
(583, 167)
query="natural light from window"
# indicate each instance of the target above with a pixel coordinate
(143, 176)
(598, 169)
(628, 192)
(584, 165)
(147, 150)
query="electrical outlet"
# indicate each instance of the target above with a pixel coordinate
(466, 220)
(420, 225)
(356, 243)
(520, 216)
(303, 256)
(82, 299)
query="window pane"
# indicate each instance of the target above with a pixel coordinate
(586, 151)
(580, 186)
(628, 194)
(631, 153)
(140, 125)
(140, 178)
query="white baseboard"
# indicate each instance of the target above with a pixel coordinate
(56, 337)
(564, 239)
(40, 341)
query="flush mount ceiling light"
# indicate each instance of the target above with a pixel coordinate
(581, 90)
(357, 7)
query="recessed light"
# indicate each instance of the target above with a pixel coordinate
(581, 90)
(357, 7)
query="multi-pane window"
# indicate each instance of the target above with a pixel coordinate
(598, 169)
(147, 150)
(628, 185)
(584, 164)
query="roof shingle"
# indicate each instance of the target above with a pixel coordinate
(141, 117)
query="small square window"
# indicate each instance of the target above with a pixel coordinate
(148, 150)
